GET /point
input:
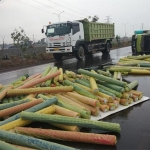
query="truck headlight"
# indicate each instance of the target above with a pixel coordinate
(68, 40)
(68, 44)
(63, 44)
(50, 44)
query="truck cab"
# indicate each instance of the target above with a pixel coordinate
(141, 42)
(63, 38)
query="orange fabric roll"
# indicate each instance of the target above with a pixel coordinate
(18, 108)
(68, 136)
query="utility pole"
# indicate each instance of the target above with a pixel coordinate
(58, 15)
(3, 40)
(142, 26)
(133, 27)
(125, 30)
(33, 38)
(108, 19)
(3, 44)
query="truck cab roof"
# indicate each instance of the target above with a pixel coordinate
(64, 22)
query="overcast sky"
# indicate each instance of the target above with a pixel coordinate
(31, 15)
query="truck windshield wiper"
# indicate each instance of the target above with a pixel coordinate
(61, 34)
(51, 34)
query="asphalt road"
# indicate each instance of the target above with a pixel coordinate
(70, 64)
(134, 121)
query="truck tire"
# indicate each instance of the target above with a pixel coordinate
(57, 56)
(80, 53)
(133, 45)
(107, 48)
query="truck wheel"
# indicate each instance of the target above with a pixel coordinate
(107, 48)
(133, 50)
(133, 45)
(80, 53)
(57, 56)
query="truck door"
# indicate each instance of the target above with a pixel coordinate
(75, 33)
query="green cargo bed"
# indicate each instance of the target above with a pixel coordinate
(95, 30)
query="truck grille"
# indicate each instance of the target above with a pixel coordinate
(56, 44)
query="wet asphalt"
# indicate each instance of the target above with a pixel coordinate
(134, 121)
(91, 60)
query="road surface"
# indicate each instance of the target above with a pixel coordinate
(70, 64)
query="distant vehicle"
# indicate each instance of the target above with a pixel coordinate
(141, 42)
(78, 38)
(11, 47)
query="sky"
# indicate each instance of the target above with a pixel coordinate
(32, 15)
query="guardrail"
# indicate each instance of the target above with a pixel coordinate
(18, 51)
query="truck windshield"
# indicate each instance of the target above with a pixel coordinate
(58, 29)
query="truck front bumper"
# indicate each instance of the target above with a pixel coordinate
(59, 49)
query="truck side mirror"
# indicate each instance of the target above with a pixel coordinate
(42, 30)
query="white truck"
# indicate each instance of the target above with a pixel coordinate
(78, 38)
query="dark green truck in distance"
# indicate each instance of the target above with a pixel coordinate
(141, 42)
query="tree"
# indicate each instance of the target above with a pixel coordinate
(95, 18)
(92, 19)
(118, 39)
(21, 40)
